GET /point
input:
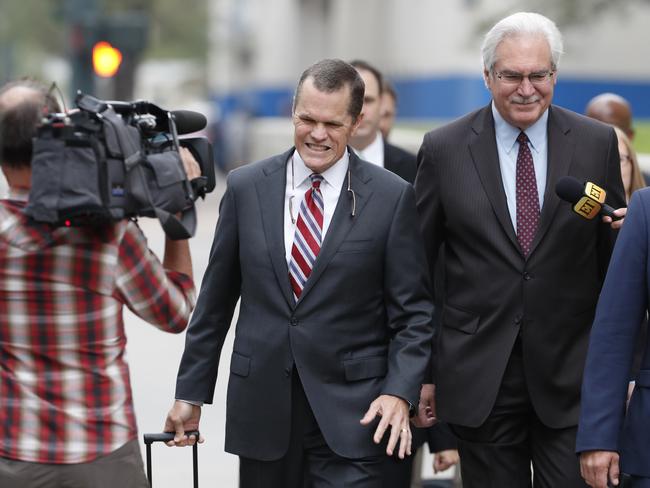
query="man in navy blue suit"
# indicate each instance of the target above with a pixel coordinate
(610, 439)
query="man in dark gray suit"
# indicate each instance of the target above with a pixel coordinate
(335, 316)
(522, 272)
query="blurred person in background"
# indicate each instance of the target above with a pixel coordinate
(67, 417)
(324, 334)
(615, 110)
(522, 272)
(368, 141)
(612, 109)
(372, 147)
(388, 108)
(630, 170)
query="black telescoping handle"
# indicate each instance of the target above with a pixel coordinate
(169, 436)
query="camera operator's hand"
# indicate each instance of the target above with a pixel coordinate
(192, 168)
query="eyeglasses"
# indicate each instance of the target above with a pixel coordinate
(514, 78)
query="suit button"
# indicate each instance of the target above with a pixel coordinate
(527, 276)
(518, 319)
(287, 372)
(294, 321)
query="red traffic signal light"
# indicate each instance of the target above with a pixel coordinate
(106, 59)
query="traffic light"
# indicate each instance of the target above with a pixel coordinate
(106, 59)
(104, 50)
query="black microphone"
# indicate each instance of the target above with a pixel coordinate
(588, 199)
(188, 121)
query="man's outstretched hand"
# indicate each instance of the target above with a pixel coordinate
(394, 412)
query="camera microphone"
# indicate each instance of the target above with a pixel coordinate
(588, 199)
(188, 121)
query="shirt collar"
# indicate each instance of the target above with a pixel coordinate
(508, 134)
(333, 176)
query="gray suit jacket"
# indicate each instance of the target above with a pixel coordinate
(361, 327)
(491, 292)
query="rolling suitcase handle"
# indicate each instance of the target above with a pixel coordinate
(169, 436)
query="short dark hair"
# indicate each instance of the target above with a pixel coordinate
(330, 75)
(19, 120)
(360, 64)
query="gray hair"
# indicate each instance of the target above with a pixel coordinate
(522, 24)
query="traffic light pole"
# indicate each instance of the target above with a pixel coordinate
(81, 17)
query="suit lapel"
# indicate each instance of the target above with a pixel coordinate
(484, 153)
(342, 220)
(560, 150)
(271, 192)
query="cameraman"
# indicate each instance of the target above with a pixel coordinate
(66, 411)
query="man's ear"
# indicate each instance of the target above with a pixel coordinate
(486, 78)
(355, 124)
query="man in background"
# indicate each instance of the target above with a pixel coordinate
(388, 108)
(368, 141)
(615, 110)
(612, 109)
(67, 416)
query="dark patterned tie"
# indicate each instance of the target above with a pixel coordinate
(527, 199)
(307, 237)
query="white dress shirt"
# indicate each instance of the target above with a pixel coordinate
(508, 148)
(298, 183)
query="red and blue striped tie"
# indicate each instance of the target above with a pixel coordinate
(307, 237)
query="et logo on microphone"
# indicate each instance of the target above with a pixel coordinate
(591, 202)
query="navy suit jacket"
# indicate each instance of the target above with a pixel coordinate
(362, 326)
(604, 424)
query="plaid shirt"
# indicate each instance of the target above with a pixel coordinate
(65, 394)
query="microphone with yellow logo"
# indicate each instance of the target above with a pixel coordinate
(588, 199)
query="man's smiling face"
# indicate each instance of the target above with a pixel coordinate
(322, 125)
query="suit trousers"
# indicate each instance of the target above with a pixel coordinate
(309, 462)
(499, 453)
(122, 467)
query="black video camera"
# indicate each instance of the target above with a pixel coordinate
(113, 160)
